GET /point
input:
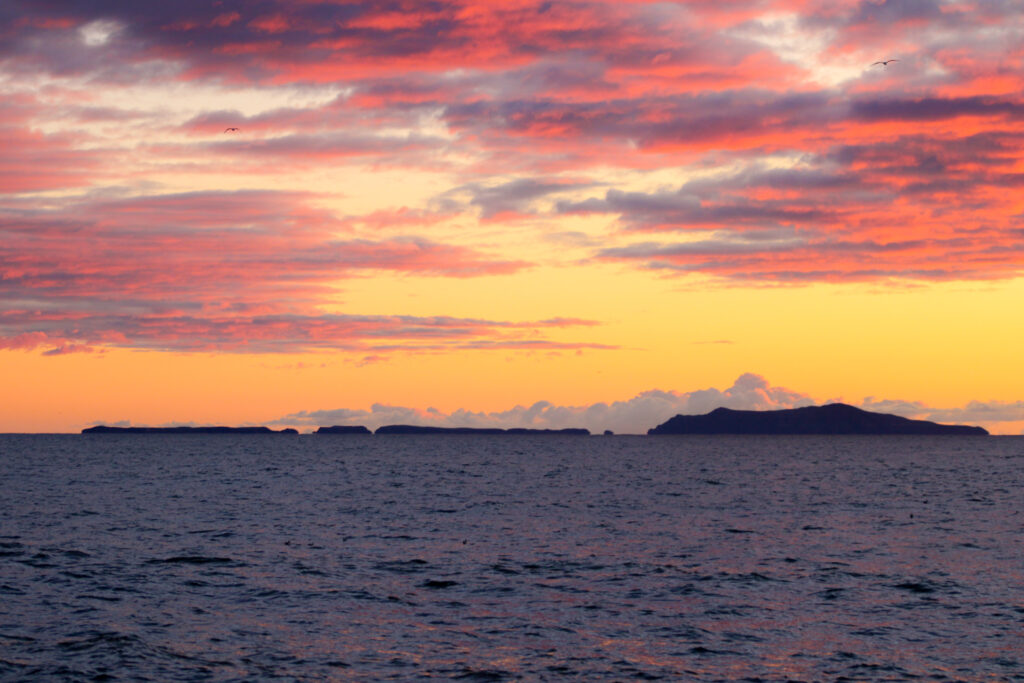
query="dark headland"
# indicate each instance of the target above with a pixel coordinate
(834, 418)
(103, 429)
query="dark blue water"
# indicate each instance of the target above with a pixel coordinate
(502, 558)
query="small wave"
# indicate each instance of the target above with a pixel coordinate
(39, 561)
(412, 566)
(564, 568)
(832, 593)
(915, 587)
(11, 549)
(630, 669)
(707, 651)
(193, 559)
(750, 577)
(562, 670)
(306, 570)
(267, 594)
(469, 674)
(926, 586)
(873, 632)
(337, 664)
(871, 671)
(104, 598)
(92, 640)
(738, 637)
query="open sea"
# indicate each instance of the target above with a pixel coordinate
(482, 558)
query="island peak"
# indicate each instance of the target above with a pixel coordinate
(832, 418)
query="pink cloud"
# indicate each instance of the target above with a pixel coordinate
(908, 171)
(33, 161)
(247, 271)
(197, 244)
(245, 332)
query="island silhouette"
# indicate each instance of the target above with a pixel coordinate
(416, 429)
(103, 429)
(343, 429)
(833, 418)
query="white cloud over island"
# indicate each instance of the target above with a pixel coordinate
(646, 410)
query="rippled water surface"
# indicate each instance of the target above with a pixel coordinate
(502, 558)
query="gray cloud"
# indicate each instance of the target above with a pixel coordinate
(634, 416)
(986, 412)
(934, 108)
(647, 409)
(515, 196)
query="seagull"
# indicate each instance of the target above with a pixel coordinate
(230, 130)
(884, 62)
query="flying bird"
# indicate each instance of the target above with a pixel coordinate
(230, 130)
(885, 62)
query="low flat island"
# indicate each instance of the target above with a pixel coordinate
(495, 431)
(103, 429)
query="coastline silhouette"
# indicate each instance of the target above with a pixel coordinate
(831, 419)
(104, 429)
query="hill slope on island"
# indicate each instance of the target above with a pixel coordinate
(834, 418)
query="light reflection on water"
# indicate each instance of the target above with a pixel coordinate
(496, 558)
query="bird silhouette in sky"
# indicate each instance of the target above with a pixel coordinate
(885, 62)
(230, 130)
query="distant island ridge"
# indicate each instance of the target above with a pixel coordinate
(415, 429)
(103, 429)
(833, 418)
(336, 429)
(830, 419)
(343, 429)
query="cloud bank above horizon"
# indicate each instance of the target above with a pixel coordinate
(648, 409)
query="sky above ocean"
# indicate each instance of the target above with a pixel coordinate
(518, 213)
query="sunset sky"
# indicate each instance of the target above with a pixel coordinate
(513, 213)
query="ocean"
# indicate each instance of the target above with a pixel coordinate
(494, 558)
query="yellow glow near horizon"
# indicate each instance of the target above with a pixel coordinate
(809, 339)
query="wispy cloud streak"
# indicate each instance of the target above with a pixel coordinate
(247, 271)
